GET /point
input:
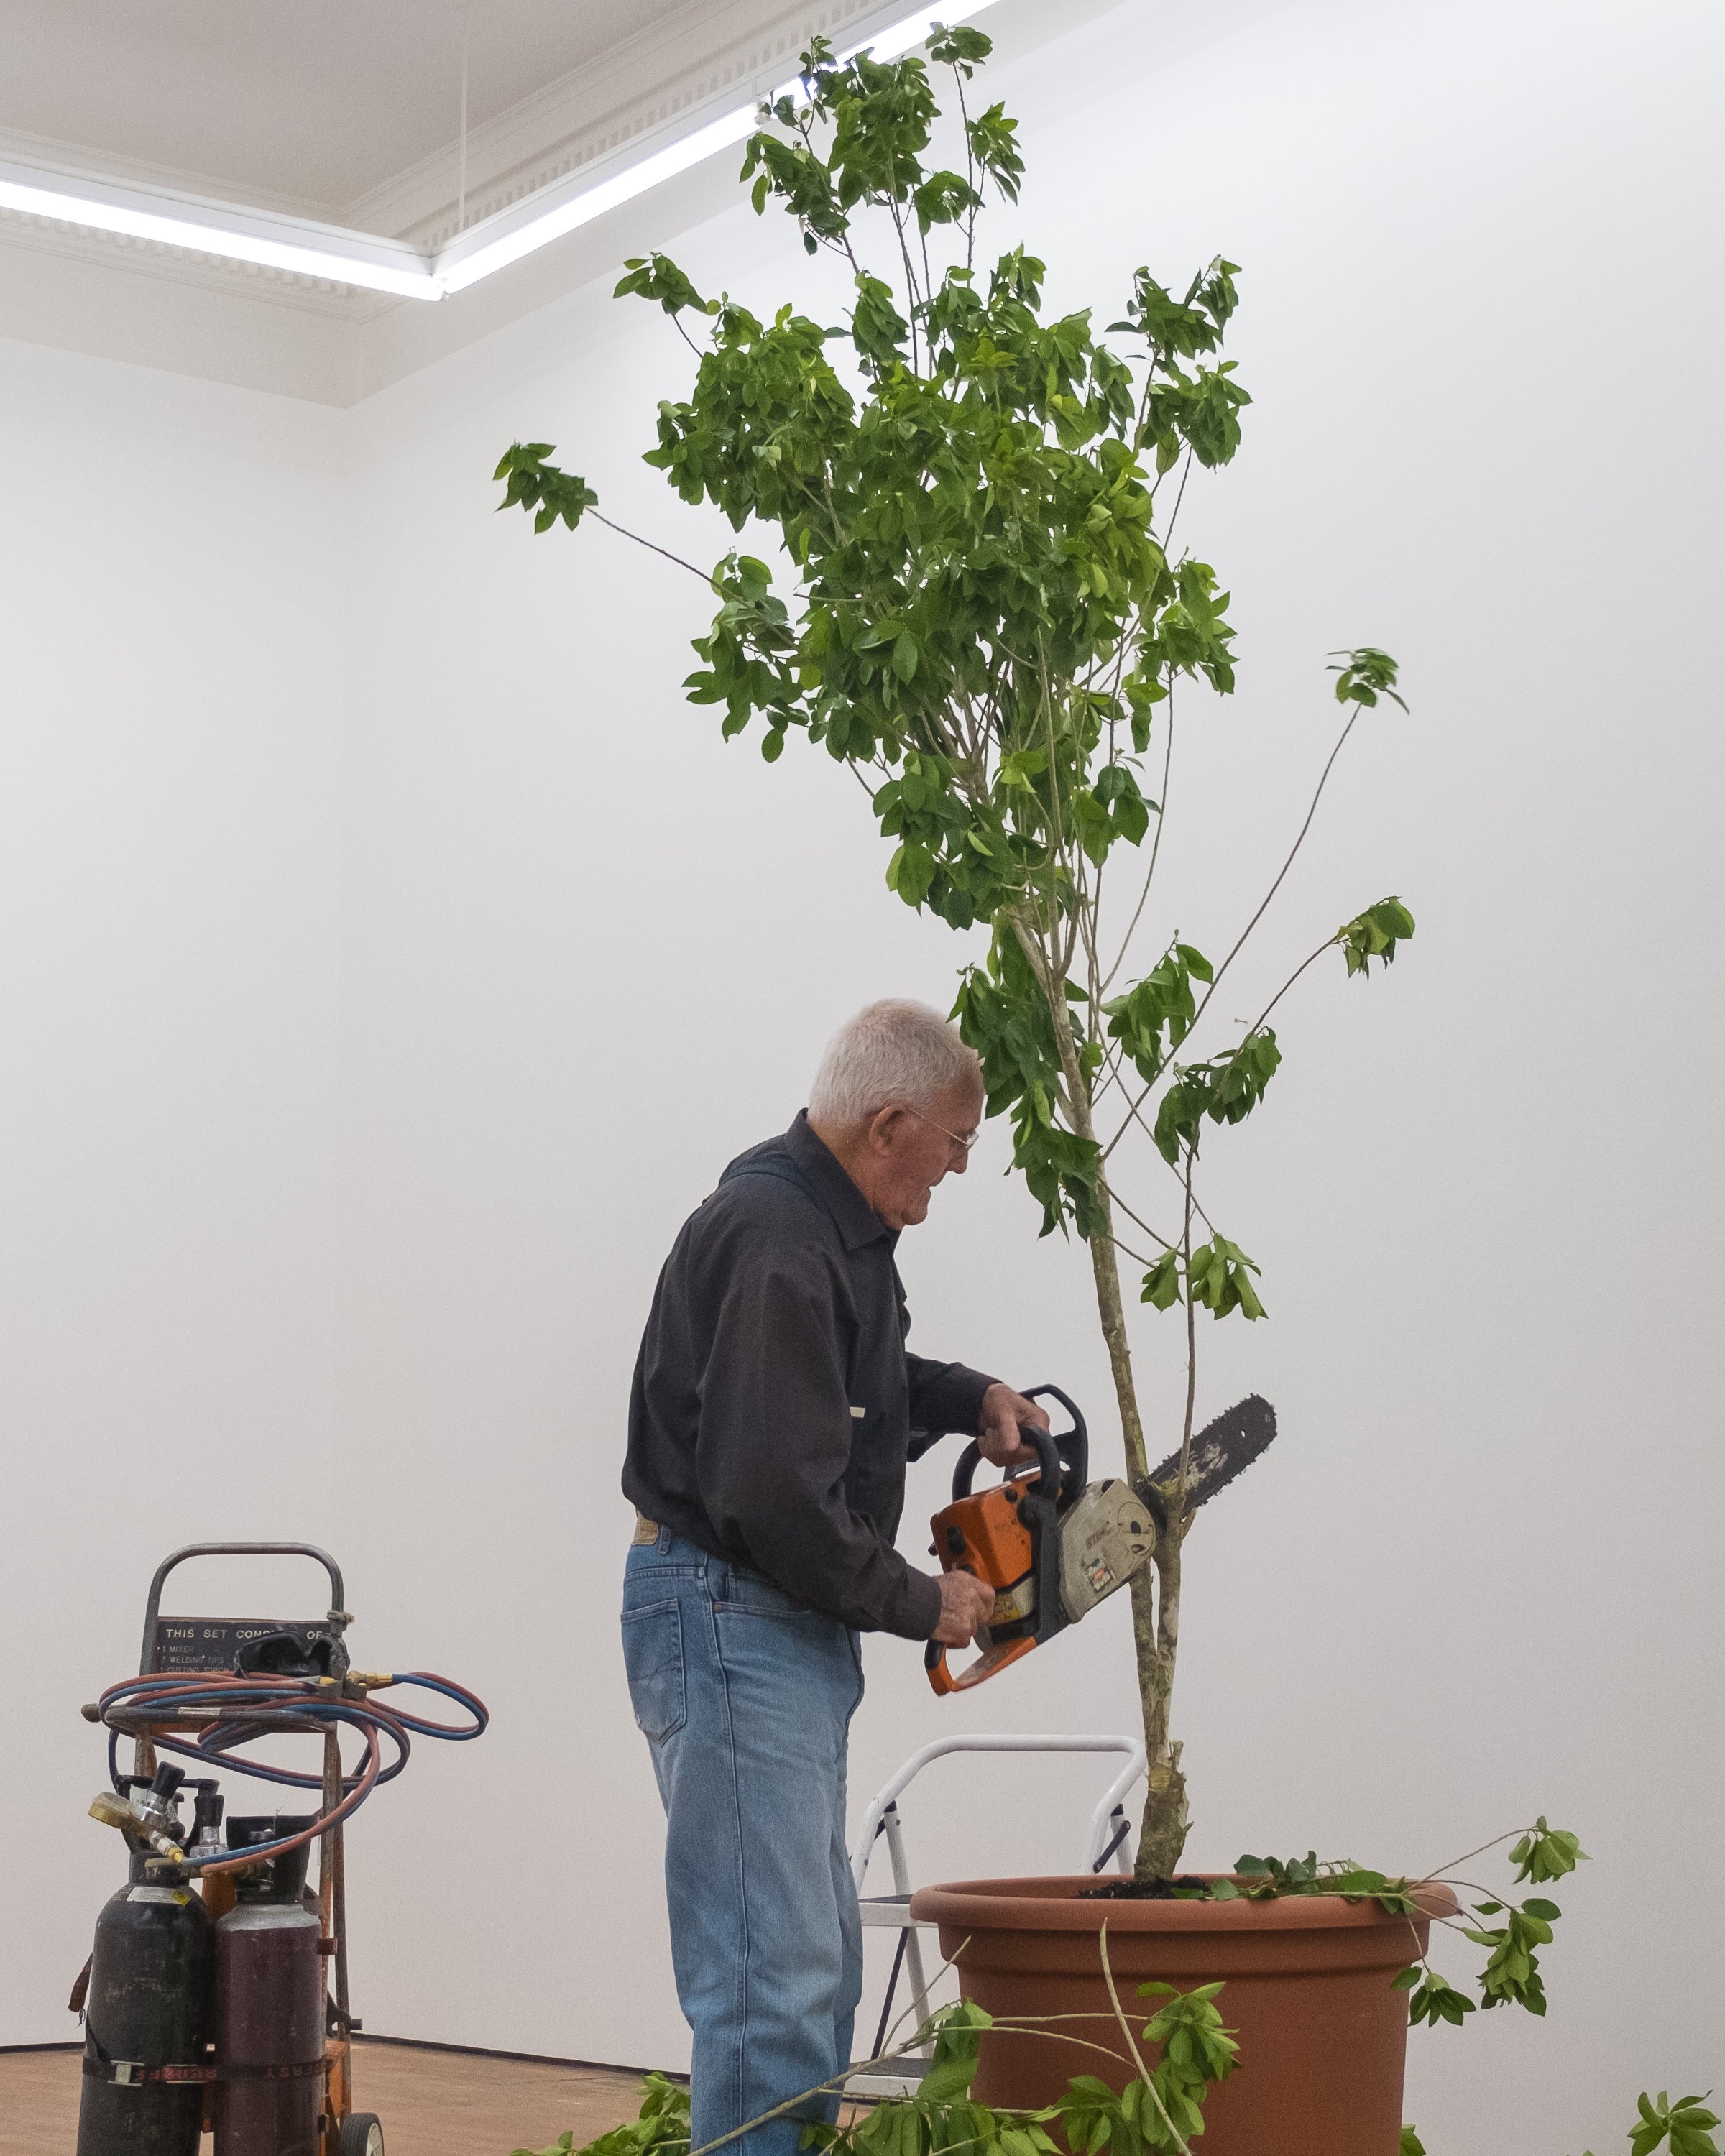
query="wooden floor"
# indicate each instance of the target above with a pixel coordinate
(431, 2103)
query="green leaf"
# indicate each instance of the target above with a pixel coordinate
(960, 47)
(1433, 2000)
(905, 656)
(1363, 675)
(1544, 1853)
(1687, 2125)
(1161, 1284)
(657, 277)
(1374, 934)
(1219, 1278)
(536, 485)
(660, 2129)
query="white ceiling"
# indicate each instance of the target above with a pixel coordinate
(316, 102)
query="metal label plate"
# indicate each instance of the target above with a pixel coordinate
(211, 1643)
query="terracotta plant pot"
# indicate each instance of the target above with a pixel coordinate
(1322, 2034)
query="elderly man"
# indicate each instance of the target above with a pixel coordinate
(774, 1409)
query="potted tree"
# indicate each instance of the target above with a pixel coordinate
(981, 605)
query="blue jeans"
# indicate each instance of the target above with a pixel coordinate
(745, 1696)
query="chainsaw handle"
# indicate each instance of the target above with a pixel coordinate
(1048, 1461)
(1073, 1444)
(1062, 1457)
(986, 1664)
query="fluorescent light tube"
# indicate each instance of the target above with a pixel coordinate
(266, 237)
(540, 217)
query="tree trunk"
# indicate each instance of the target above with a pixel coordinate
(1155, 1608)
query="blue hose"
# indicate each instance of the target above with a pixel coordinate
(292, 1704)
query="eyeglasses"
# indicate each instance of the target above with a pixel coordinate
(967, 1142)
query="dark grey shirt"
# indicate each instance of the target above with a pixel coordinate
(775, 1404)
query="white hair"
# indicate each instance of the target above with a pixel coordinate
(895, 1053)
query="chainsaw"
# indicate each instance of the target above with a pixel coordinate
(1052, 1544)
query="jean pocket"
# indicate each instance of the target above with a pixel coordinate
(653, 1655)
(753, 1594)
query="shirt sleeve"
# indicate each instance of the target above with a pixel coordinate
(944, 1397)
(773, 1446)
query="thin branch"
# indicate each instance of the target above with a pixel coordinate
(969, 171)
(623, 532)
(1191, 1334)
(1444, 1870)
(1134, 1218)
(1134, 1106)
(1328, 944)
(1135, 1115)
(1490, 1893)
(1173, 515)
(1144, 2074)
(1318, 795)
(911, 307)
(1168, 758)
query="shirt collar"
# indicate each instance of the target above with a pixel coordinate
(857, 1221)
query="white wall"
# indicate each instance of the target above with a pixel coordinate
(170, 776)
(588, 952)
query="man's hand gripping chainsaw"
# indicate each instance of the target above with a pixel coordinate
(1053, 1545)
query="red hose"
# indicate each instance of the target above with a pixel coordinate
(181, 1689)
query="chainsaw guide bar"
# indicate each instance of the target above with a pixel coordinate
(1221, 1450)
(1053, 1545)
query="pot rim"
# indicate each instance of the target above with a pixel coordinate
(1051, 1902)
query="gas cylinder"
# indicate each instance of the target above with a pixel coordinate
(148, 2008)
(268, 2003)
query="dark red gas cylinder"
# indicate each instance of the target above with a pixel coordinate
(269, 2005)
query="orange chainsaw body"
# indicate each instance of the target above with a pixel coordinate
(987, 1535)
(1008, 1537)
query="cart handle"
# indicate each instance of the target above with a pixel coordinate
(338, 1615)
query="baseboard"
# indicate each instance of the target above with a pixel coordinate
(525, 2058)
(421, 2044)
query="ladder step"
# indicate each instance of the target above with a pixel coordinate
(892, 1913)
(904, 2082)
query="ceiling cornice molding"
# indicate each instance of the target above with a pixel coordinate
(49, 149)
(634, 88)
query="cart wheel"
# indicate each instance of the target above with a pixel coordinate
(361, 2134)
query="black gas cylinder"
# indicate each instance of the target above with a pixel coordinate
(149, 2006)
(270, 2005)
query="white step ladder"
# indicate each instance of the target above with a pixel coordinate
(1109, 1828)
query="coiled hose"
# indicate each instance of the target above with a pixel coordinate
(284, 1706)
